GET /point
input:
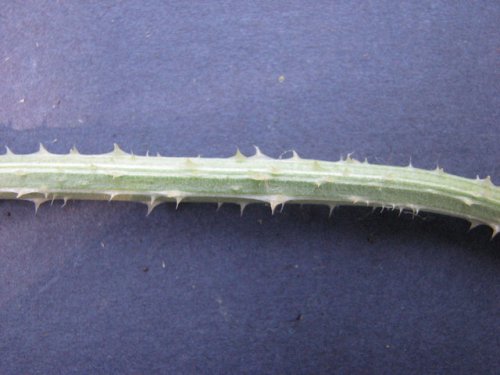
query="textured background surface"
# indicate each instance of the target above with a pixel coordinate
(98, 288)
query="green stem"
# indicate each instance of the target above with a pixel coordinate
(43, 176)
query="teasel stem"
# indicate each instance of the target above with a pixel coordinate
(152, 180)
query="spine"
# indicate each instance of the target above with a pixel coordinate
(152, 180)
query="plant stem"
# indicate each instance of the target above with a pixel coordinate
(44, 176)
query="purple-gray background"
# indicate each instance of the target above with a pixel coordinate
(96, 287)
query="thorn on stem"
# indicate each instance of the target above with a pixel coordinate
(259, 154)
(38, 202)
(238, 155)
(152, 204)
(117, 151)
(178, 201)
(42, 150)
(331, 208)
(295, 155)
(496, 229)
(242, 207)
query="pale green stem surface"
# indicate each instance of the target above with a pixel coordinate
(44, 176)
